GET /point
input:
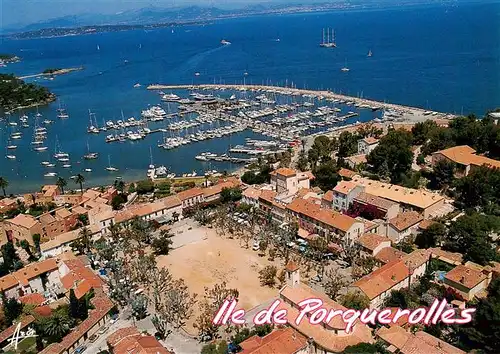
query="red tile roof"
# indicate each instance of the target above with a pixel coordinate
(346, 173)
(406, 220)
(389, 254)
(32, 299)
(284, 171)
(372, 241)
(190, 193)
(465, 276)
(280, 341)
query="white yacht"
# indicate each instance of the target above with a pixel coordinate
(50, 174)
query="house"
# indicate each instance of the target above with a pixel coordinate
(269, 205)
(212, 194)
(130, 340)
(344, 194)
(251, 196)
(327, 337)
(62, 242)
(96, 319)
(160, 210)
(191, 197)
(355, 160)
(389, 254)
(284, 180)
(75, 275)
(324, 222)
(398, 340)
(281, 340)
(465, 159)
(366, 145)
(403, 225)
(48, 195)
(467, 280)
(371, 244)
(380, 208)
(346, 174)
(419, 200)
(62, 221)
(7, 204)
(395, 275)
(22, 227)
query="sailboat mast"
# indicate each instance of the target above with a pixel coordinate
(328, 35)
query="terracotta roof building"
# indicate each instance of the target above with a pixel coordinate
(346, 173)
(191, 197)
(129, 340)
(389, 254)
(331, 336)
(279, 341)
(324, 222)
(465, 159)
(403, 225)
(22, 227)
(467, 281)
(395, 275)
(371, 243)
(409, 199)
(399, 340)
(383, 208)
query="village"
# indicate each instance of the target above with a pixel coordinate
(377, 216)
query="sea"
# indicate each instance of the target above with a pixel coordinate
(443, 57)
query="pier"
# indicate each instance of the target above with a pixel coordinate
(359, 102)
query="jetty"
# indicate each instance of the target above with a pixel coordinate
(329, 95)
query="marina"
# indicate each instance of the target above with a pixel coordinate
(278, 118)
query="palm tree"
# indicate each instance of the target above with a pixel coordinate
(80, 179)
(57, 325)
(3, 184)
(61, 183)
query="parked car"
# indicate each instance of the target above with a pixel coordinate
(93, 338)
(102, 330)
(80, 349)
(256, 246)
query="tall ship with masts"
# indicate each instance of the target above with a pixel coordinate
(329, 41)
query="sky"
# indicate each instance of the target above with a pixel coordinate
(15, 12)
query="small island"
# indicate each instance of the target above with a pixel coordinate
(8, 59)
(51, 71)
(16, 94)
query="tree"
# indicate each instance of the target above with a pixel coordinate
(145, 186)
(61, 183)
(230, 194)
(363, 266)
(393, 150)
(139, 307)
(480, 189)
(355, 300)
(3, 184)
(469, 235)
(163, 244)
(326, 176)
(443, 174)
(36, 241)
(177, 304)
(11, 260)
(422, 131)
(117, 201)
(302, 161)
(119, 185)
(267, 275)
(347, 144)
(12, 309)
(175, 216)
(80, 180)
(213, 300)
(84, 243)
(57, 326)
(333, 283)
(432, 236)
(220, 347)
(73, 304)
(366, 348)
(369, 130)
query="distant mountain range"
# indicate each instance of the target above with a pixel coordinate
(151, 15)
(155, 15)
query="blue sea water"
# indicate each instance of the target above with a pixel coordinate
(445, 58)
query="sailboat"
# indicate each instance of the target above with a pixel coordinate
(369, 53)
(345, 68)
(38, 114)
(90, 155)
(329, 43)
(98, 48)
(110, 168)
(62, 112)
